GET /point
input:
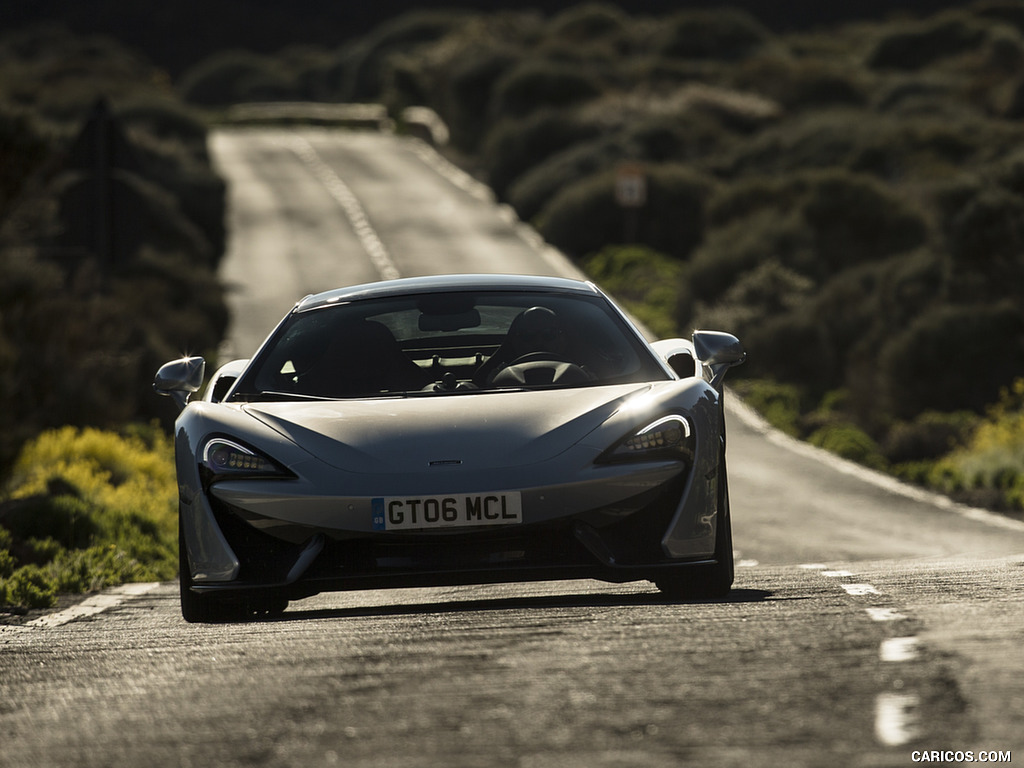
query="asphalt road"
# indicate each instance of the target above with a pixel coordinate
(869, 623)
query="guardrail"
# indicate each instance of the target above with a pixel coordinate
(422, 122)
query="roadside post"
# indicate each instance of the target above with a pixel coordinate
(631, 196)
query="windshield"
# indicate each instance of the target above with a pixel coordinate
(448, 342)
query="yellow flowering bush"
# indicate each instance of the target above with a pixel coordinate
(85, 509)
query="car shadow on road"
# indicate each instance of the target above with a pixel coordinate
(527, 602)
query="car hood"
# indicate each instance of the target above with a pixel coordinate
(472, 431)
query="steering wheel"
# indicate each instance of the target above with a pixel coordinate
(540, 369)
(533, 357)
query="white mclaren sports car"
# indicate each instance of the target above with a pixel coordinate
(450, 430)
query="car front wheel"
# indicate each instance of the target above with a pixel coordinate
(707, 582)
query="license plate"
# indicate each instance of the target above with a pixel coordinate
(407, 513)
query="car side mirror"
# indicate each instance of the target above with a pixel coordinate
(718, 352)
(181, 378)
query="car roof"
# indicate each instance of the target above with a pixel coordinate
(438, 283)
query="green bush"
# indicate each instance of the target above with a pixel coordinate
(28, 587)
(534, 188)
(584, 217)
(515, 146)
(645, 281)
(87, 509)
(720, 35)
(887, 146)
(533, 85)
(992, 460)
(22, 151)
(780, 404)
(764, 292)
(234, 76)
(588, 22)
(365, 62)
(800, 84)
(986, 239)
(653, 140)
(857, 219)
(849, 442)
(465, 97)
(928, 436)
(952, 358)
(923, 43)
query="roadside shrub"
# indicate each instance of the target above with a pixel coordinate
(720, 35)
(891, 147)
(816, 224)
(584, 217)
(537, 84)
(87, 509)
(993, 458)
(921, 44)
(793, 347)
(22, 151)
(986, 239)
(849, 442)
(234, 76)
(729, 251)
(162, 117)
(802, 83)
(365, 62)
(588, 22)
(28, 587)
(856, 219)
(645, 281)
(780, 404)
(534, 188)
(937, 362)
(467, 88)
(690, 137)
(515, 146)
(929, 436)
(118, 487)
(758, 295)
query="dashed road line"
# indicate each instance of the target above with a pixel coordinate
(897, 715)
(345, 197)
(860, 590)
(897, 718)
(896, 649)
(884, 614)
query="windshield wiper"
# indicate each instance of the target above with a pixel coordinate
(270, 395)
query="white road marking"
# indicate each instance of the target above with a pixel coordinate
(340, 191)
(747, 564)
(92, 605)
(896, 718)
(814, 566)
(859, 590)
(837, 574)
(897, 649)
(884, 614)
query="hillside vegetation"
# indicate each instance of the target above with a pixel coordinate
(849, 202)
(107, 270)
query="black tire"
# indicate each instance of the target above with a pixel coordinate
(707, 582)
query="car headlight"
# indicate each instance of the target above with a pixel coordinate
(669, 437)
(225, 459)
